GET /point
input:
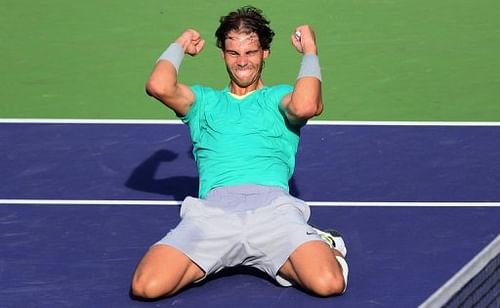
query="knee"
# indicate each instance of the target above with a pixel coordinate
(327, 284)
(147, 288)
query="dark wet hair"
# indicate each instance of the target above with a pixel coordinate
(247, 19)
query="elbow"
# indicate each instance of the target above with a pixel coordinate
(319, 109)
(305, 114)
(159, 89)
(154, 88)
(307, 111)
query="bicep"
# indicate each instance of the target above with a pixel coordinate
(163, 85)
(285, 101)
(284, 107)
(181, 101)
(304, 102)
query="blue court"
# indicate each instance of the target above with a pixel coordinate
(80, 204)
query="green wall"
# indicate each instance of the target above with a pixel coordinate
(382, 60)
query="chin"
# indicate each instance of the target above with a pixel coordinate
(242, 83)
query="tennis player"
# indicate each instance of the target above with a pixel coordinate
(245, 138)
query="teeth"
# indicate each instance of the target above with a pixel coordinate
(243, 72)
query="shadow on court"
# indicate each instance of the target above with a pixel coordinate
(143, 178)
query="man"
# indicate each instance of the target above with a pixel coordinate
(245, 138)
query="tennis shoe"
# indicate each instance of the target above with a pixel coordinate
(334, 239)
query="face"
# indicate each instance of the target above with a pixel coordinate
(244, 58)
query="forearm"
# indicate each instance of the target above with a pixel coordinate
(306, 99)
(162, 83)
(163, 86)
(163, 80)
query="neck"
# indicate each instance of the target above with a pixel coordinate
(240, 91)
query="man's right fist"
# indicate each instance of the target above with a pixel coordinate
(191, 41)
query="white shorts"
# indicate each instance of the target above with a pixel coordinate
(258, 226)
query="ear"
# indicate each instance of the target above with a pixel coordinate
(222, 54)
(266, 53)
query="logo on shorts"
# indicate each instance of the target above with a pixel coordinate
(311, 233)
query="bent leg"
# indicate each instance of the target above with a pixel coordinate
(163, 271)
(314, 267)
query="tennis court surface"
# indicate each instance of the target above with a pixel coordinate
(81, 201)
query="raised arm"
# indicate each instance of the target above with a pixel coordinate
(306, 100)
(162, 83)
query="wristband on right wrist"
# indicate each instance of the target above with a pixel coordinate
(174, 54)
(309, 67)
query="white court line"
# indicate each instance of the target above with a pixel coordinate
(405, 204)
(87, 121)
(312, 203)
(175, 202)
(312, 122)
(86, 202)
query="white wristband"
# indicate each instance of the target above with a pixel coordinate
(309, 67)
(174, 54)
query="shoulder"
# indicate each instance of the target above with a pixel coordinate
(204, 97)
(279, 90)
(276, 93)
(204, 94)
(200, 90)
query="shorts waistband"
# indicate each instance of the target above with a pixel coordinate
(246, 189)
(243, 197)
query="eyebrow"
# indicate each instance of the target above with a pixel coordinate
(236, 52)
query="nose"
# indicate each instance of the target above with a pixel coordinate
(242, 61)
